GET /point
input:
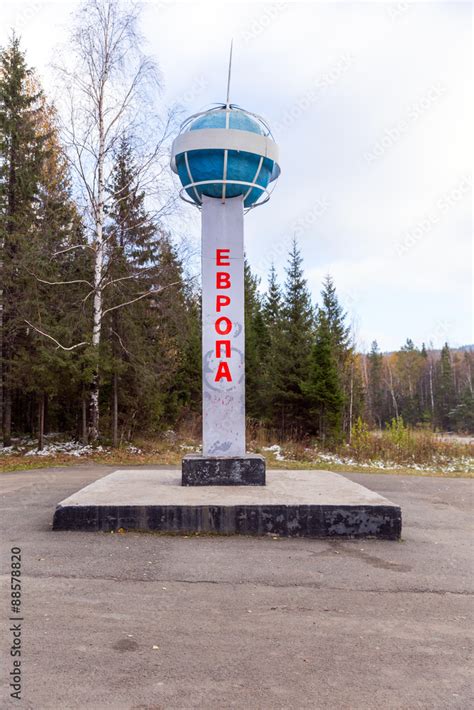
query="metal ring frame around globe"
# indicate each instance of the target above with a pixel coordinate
(225, 139)
(230, 107)
(250, 185)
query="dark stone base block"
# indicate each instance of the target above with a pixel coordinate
(246, 470)
(314, 504)
(382, 522)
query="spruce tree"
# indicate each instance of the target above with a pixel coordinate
(322, 385)
(150, 362)
(271, 372)
(445, 392)
(272, 304)
(292, 350)
(22, 139)
(255, 340)
(410, 365)
(339, 334)
(375, 384)
(45, 373)
(336, 318)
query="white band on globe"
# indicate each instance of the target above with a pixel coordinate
(224, 139)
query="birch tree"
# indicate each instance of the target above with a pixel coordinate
(107, 85)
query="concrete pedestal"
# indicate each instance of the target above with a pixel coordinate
(291, 504)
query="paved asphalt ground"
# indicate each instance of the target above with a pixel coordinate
(143, 622)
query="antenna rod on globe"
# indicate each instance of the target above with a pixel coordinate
(229, 74)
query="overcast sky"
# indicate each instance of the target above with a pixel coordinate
(371, 105)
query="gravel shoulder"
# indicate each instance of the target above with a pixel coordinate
(140, 621)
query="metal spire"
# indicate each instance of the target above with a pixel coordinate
(229, 74)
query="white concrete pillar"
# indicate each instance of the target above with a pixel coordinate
(223, 336)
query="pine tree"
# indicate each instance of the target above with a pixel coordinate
(336, 317)
(272, 314)
(322, 385)
(339, 334)
(375, 384)
(175, 313)
(255, 341)
(45, 373)
(272, 305)
(461, 417)
(21, 155)
(130, 238)
(151, 360)
(445, 393)
(293, 349)
(410, 365)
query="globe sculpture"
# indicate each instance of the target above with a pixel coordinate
(223, 153)
(225, 159)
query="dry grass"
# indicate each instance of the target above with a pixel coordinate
(397, 451)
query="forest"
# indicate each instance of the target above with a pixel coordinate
(100, 310)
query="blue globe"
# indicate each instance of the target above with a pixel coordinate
(246, 172)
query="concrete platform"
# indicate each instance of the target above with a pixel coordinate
(293, 504)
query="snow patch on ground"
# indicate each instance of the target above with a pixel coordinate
(190, 448)
(277, 451)
(465, 464)
(29, 447)
(133, 449)
(71, 448)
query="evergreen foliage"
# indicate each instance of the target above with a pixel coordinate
(303, 375)
(292, 350)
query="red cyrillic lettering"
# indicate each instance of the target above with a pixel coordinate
(223, 344)
(221, 255)
(222, 301)
(223, 372)
(227, 325)
(222, 279)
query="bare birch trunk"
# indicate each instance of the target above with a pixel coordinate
(41, 422)
(7, 413)
(351, 401)
(115, 412)
(104, 88)
(431, 390)
(392, 391)
(84, 419)
(94, 431)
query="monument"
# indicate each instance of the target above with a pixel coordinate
(225, 158)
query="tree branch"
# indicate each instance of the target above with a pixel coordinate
(58, 344)
(60, 283)
(76, 246)
(138, 298)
